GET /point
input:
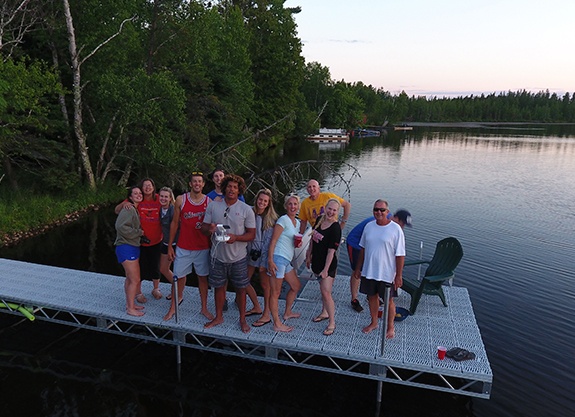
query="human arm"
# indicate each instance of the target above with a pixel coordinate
(328, 260)
(399, 262)
(248, 236)
(122, 205)
(302, 226)
(346, 212)
(174, 227)
(278, 230)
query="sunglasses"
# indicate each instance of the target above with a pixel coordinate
(200, 173)
(381, 210)
(226, 212)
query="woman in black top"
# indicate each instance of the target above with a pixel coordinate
(321, 256)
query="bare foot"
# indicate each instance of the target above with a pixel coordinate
(245, 326)
(134, 312)
(283, 328)
(214, 322)
(291, 315)
(206, 313)
(370, 328)
(169, 315)
(390, 334)
(137, 307)
(141, 298)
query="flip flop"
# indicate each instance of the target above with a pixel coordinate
(319, 318)
(464, 355)
(251, 313)
(260, 323)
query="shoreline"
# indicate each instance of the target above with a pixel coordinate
(485, 125)
(11, 239)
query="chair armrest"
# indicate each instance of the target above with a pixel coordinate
(419, 262)
(438, 278)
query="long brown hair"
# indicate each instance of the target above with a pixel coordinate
(269, 216)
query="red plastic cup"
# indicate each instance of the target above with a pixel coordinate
(441, 351)
(297, 240)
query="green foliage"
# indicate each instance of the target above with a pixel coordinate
(22, 211)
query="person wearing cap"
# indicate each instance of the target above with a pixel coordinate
(401, 217)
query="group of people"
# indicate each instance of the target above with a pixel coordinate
(223, 240)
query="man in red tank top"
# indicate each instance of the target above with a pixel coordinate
(193, 247)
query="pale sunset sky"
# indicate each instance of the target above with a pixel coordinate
(443, 47)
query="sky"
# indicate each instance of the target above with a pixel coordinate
(443, 47)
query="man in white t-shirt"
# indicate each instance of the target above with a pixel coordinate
(380, 263)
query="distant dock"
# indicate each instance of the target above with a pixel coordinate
(96, 302)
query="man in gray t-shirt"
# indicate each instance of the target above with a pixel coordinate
(229, 257)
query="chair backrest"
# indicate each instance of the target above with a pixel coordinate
(448, 253)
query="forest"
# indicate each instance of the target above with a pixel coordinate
(96, 92)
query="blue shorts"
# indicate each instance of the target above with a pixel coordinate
(127, 253)
(236, 273)
(188, 259)
(283, 265)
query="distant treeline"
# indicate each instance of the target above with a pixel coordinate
(104, 91)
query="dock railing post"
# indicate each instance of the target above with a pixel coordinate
(385, 314)
(420, 258)
(177, 314)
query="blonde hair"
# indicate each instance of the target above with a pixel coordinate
(291, 195)
(169, 191)
(321, 218)
(269, 216)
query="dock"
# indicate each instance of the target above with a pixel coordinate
(96, 302)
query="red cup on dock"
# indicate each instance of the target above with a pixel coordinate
(297, 240)
(441, 351)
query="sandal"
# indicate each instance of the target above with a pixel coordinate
(157, 293)
(319, 318)
(141, 298)
(329, 331)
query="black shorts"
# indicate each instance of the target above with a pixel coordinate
(372, 287)
(150, 261)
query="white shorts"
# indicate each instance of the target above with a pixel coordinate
(188, 259)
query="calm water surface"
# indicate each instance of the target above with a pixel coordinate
(507, 195)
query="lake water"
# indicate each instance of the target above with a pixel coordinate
(507, 195)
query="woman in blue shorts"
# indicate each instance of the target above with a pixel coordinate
(128, 233)
(281, 252)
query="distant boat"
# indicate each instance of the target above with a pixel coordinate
(402, 127)
(365, 133)
(329, 136)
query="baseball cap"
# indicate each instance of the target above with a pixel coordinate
(404, 216)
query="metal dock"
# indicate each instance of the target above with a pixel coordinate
(96, 301)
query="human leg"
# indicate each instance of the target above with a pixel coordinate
(220, 297)
(181, 285)
(390, 334)
(203, 288)
(266, 287)
(251, 292)
(373, 301)
(276, 287)
(218, 280)
(326, 286)
(132, 269)
(295, 285)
